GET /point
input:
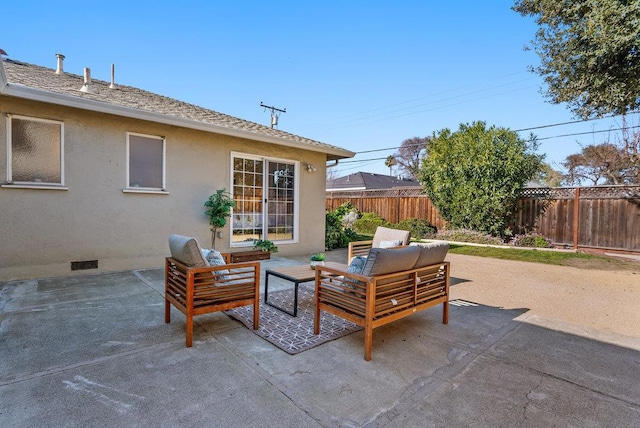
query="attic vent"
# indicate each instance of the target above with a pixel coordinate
(87, 86)
(113, 76)
(60, 68)
(84, 265)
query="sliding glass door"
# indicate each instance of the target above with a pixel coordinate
(265, 193)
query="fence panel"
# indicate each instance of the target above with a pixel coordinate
(393, 205)
(607, 217)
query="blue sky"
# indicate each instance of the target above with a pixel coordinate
(362, 75)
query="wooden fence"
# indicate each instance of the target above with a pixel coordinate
(605, 217)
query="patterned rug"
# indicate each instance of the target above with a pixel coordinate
(293, 334)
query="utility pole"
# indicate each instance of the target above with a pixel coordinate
(275, 113)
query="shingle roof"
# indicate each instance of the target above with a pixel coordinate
(369, 181)
(68, 84)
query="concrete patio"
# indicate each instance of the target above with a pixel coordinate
(526, 345)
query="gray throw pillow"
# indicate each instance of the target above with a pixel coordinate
(214, 258)
(389, 244)
(357, 264)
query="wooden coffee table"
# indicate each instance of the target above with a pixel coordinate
(295, 274)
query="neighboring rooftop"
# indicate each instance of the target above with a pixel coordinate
(369, 181)
(34, 82)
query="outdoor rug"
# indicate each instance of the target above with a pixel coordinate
(293, 334)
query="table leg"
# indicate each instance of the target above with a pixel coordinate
(293, 313)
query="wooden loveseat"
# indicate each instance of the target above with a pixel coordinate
(195, 286)
(394, 283)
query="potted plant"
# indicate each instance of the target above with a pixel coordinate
(265, 245)
(219, 207)
(317, 259)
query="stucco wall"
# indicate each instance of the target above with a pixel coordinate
(43, 231)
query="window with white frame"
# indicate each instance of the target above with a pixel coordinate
(35, 151)
(265, 192)
(145, 162)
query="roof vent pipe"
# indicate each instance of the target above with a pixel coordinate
(60, 69)
(87, 87)
(113, 77)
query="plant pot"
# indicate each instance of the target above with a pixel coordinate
(314, 263)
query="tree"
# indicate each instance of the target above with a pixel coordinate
(219, 207)
(410, 154)
(475, 175)
(615, 161)
(629, 143)
(549, 176)
(595, 163)
(590, 53)
(332, 174)
(389, 163)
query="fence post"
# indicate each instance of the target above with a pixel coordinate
(576, 218)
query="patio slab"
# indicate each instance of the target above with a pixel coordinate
(95, 351)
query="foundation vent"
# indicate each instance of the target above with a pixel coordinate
(84, 265)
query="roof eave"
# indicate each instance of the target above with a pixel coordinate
(3, 76)
(34, 94)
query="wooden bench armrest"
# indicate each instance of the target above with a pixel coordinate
(358, 248)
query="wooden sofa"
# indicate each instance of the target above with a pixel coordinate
(196, 288)
(394, 283)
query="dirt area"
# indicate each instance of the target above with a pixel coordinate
(595, 294)
(607, 263)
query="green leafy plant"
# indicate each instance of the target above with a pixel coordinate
(219, 207)
(318, 257)
(475, 175)
(535, 240)
(336, 235)
(265, 245)
(418, 227)
(465, 235)
(368, 223)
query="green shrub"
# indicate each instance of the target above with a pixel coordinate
(534, 240)
(336, 234)
(466, 235)
(368, 223)
(343, 209)
(418, 227)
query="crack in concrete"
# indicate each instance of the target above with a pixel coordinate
(422, 388)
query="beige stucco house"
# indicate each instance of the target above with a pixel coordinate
(97, 173)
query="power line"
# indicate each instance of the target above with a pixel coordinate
(589, 132)
(437, 94)
(538, 139)
(536, 127)
(362, 160)
(572, 122)
(421, 111)
(442, 100)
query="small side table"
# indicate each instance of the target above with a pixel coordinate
(295, 274)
